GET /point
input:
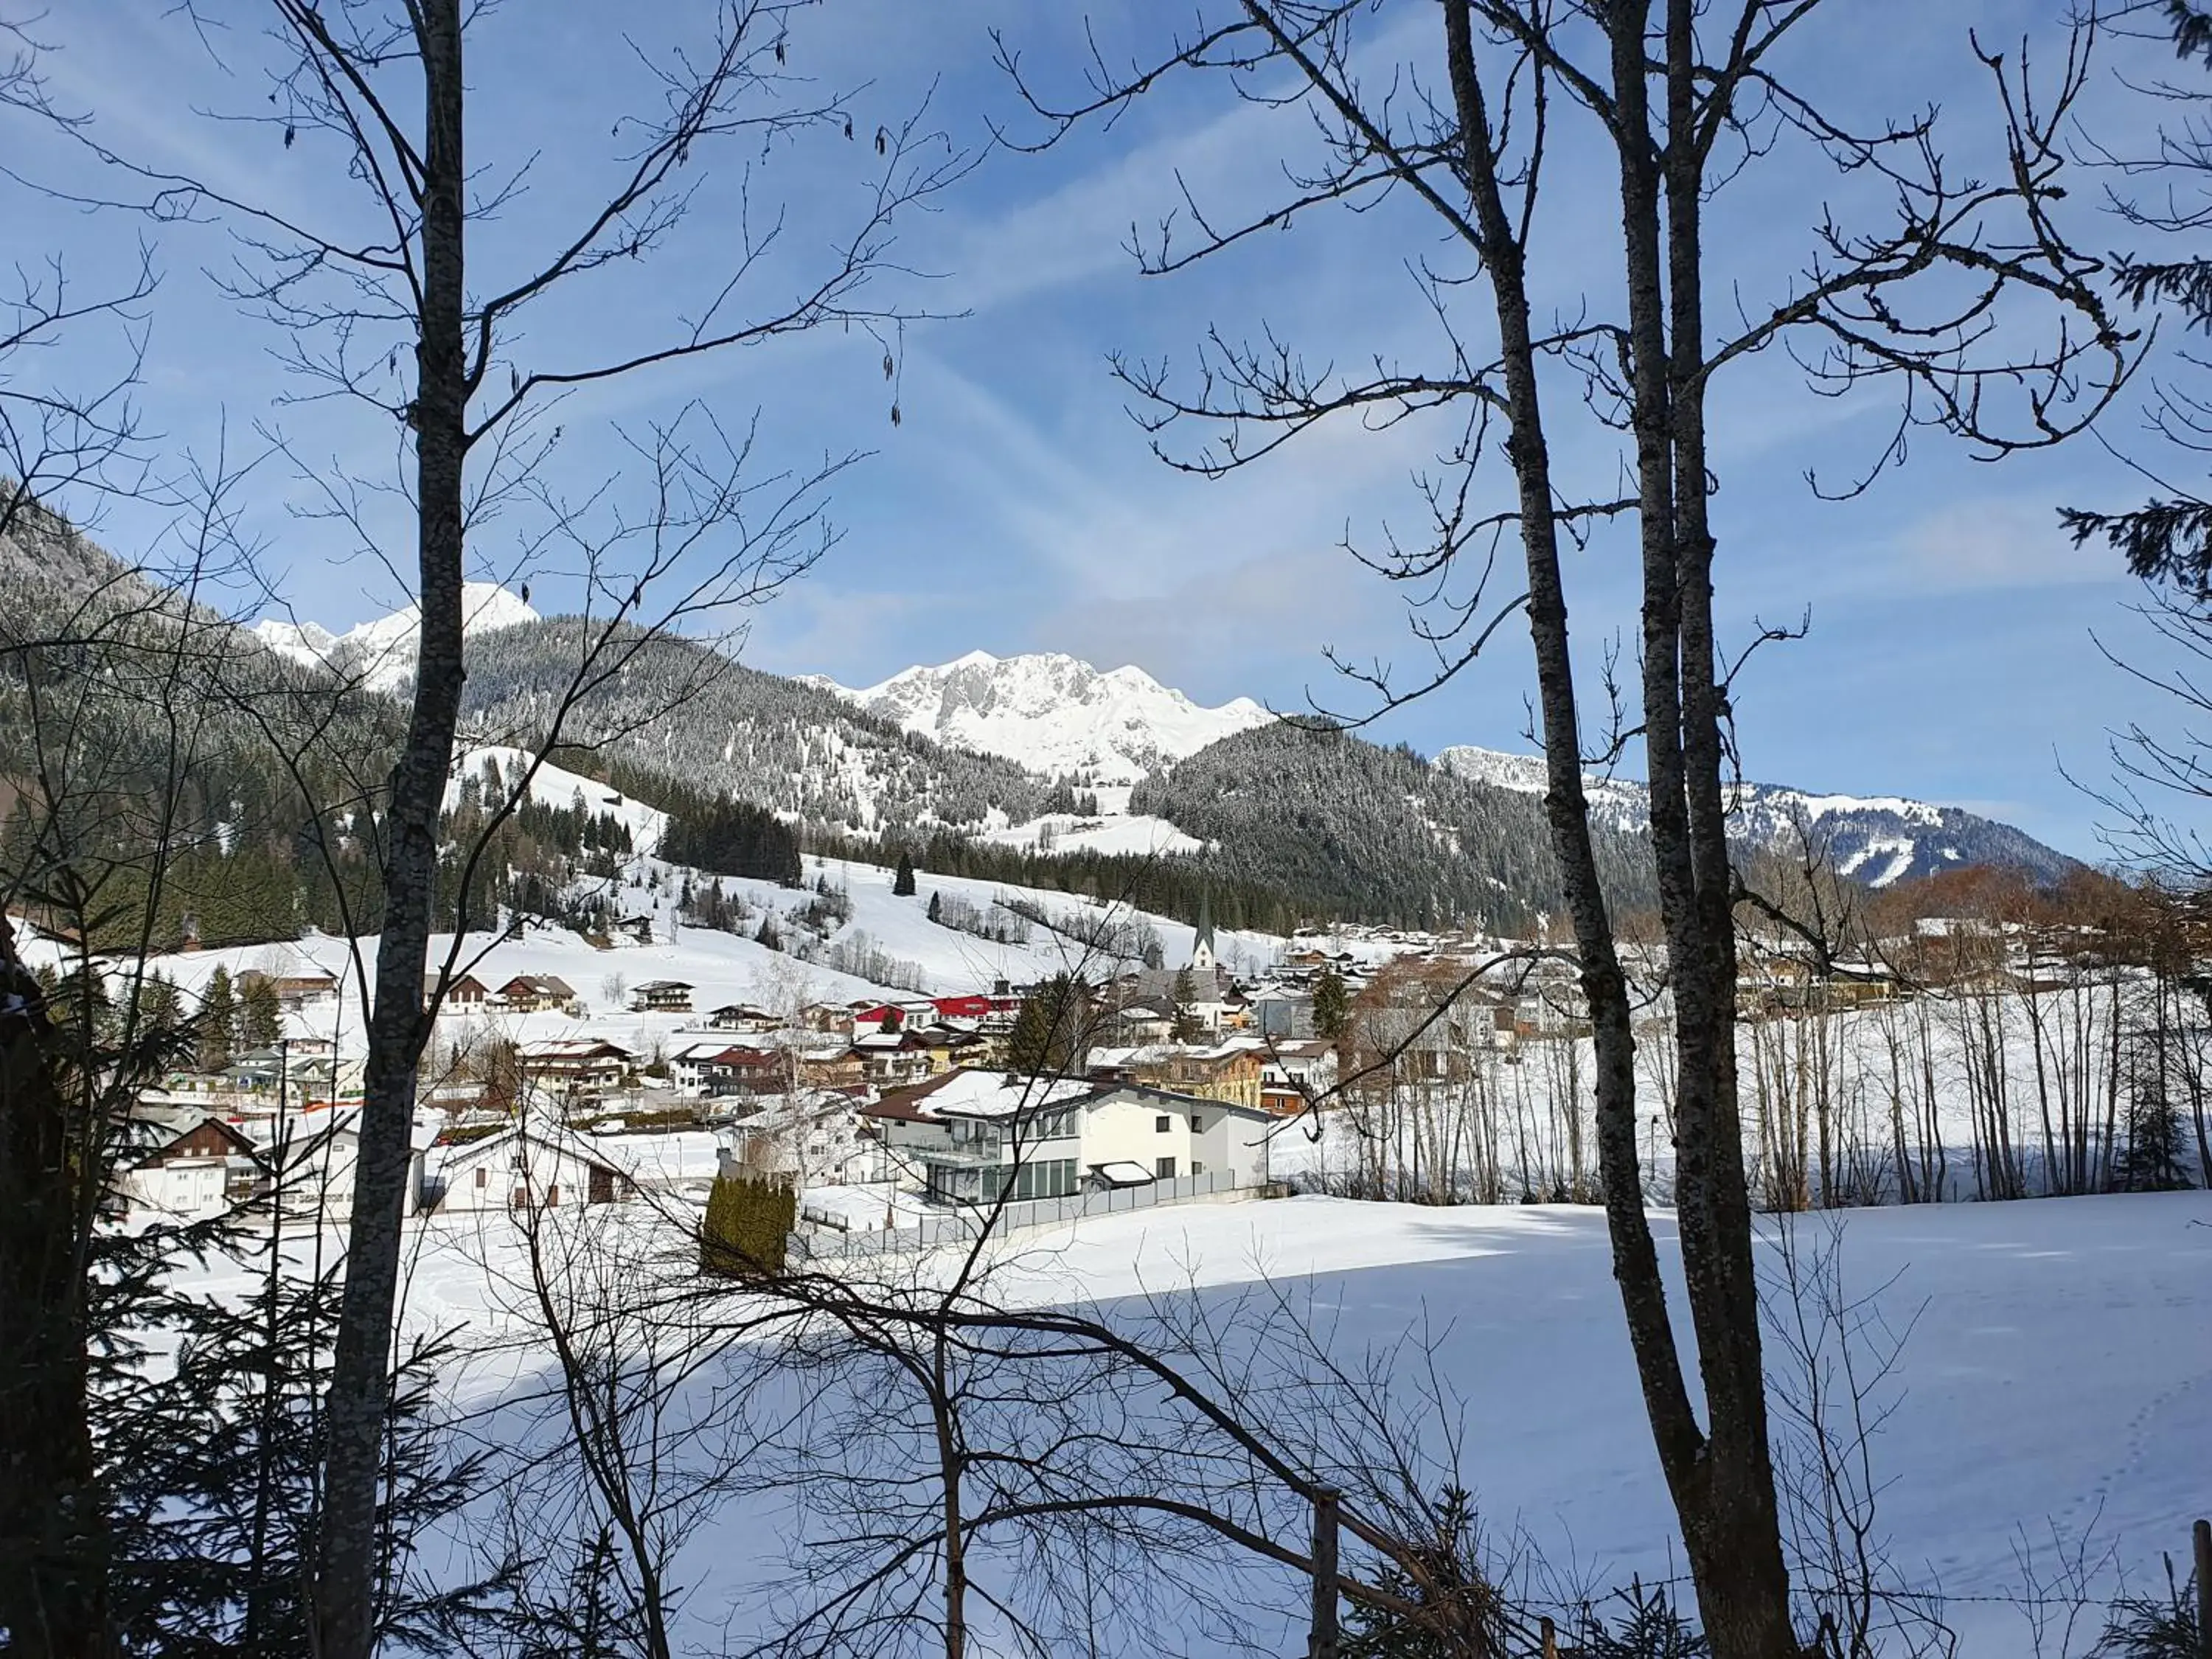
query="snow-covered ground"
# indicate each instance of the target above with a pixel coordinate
(722, 967)
(1108, 833)
(2050, 1388)
(554, 786)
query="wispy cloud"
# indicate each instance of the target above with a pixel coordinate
(1996, 541)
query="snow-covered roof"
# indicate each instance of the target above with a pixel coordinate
(660, 1159)
(977, 1092)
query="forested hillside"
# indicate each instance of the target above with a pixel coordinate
(1373, 834)
(250, 779)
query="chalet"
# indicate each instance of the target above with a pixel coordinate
(895, 1058)
(837, 1067)
(742, 1018)
(574, 1064)
(532, 993)
(310, 1159)
(1229, 1072)
(716, 1067)
(295, 990)
(1291, 1072)
(994, 1011)
(660, 996)
(467, 993)
(527, 1167)
(890, 1016)
(972, 1137)
(1139, 1023)
(951, 1045)
(192, 1164)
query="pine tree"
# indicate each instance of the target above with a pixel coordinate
(902, 883)
(1186, 1027)
(1332, 1009)
(1459, 1610)
(1048, 1034)
(937, 906)
(217, 1024)
(261, 1015)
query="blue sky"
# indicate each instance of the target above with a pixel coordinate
(1016, 507)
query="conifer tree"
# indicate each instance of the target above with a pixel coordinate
(1331, 1007)
(1186, 1027)
(261, 1015)
(902, 883)
(217, 1022)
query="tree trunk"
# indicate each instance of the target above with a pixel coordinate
(1605, 987)
(360, 1371)
(1721, 1480)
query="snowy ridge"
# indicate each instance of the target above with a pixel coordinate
(1053, 714)
(1877, 839)
(381, 652)
(502, 768)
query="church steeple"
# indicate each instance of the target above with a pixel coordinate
(1202, 944)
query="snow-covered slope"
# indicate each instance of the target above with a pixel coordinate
(1878, 840)
(554, 786)
(381, 652)
(1055, 714)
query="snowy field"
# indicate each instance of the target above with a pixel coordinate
(2051, 1387)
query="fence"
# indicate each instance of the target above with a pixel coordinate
(954, 1226)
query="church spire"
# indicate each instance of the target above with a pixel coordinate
(1202, 944)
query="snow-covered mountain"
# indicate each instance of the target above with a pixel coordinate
(1878, 840)
(381, 652)
(1055, 714)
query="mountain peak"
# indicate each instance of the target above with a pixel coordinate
(1876, 840)
(1055, 714)
(381, 651)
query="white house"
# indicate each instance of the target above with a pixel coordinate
(191, 1164)
(310, 1156)
(972, 1136)
(531, 1166)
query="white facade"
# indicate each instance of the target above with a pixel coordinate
(976, 1138)
(1173, 1135)
(514, 1170)
(186, 1189)
(313, 1159)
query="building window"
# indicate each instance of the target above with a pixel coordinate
(1162, 1124)
(1163, 1169)
(1197, 1167)
(481, 1174)
(1197, 1124)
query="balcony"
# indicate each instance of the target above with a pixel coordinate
(964, 1154)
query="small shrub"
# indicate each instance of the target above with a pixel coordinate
(748, 1223)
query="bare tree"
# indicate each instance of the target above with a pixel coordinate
(396, 302)
(1680, 99)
